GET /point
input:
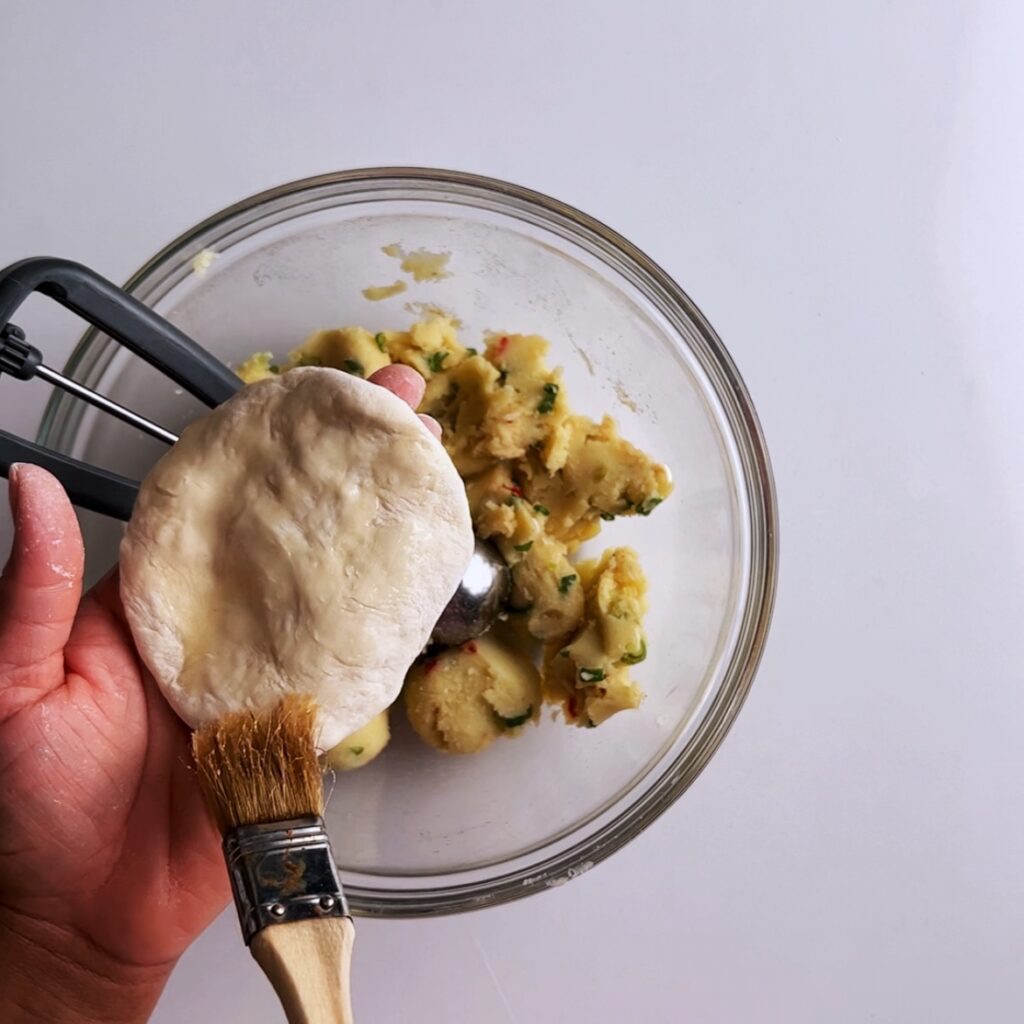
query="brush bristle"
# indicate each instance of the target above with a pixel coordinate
(259, 768)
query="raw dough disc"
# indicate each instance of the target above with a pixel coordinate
(303, 537)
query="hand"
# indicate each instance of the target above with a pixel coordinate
(109, 864)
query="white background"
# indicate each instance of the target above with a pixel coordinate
(840, 187)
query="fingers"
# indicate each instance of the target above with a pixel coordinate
(402, 381)
(42, 583)
(409, 386)
(432, 425)
(100, 646)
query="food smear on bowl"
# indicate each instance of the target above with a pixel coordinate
(422, 264)
(431, 310)
(203, 260)
(377, 292)
(541, 480)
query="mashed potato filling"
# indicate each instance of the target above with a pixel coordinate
(461, 700)
(589, 674)
(541, 480)
(361, 747)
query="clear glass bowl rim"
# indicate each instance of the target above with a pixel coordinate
(449, 894)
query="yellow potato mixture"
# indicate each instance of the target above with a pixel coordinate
(588, 673)
(464, 698)
(540, 479)
(361, 747)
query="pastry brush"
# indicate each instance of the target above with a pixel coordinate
(262, 782)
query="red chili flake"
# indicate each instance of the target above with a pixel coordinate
(602, 692)
(429, 666)
(571, 706)
(517, 491)
(470, 648)
(502, 345)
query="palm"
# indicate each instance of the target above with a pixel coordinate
(104, 828)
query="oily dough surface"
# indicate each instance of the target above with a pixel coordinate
(303, 537)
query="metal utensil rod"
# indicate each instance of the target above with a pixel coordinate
(72, 387)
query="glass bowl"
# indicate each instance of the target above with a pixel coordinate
(417, 832)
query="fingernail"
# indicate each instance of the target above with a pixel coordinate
(12, 486)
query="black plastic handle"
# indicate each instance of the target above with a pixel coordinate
(124, 318)
(88, 486)
(135, 326)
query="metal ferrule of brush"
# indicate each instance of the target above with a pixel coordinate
(282, 871)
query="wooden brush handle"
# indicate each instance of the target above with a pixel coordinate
(307, 962)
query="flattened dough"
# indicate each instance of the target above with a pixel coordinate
(303, 537)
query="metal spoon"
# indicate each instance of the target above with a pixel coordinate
(481, 594)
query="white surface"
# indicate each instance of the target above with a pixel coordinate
(838, 186)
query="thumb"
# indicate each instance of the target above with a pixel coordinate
(41, 585)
